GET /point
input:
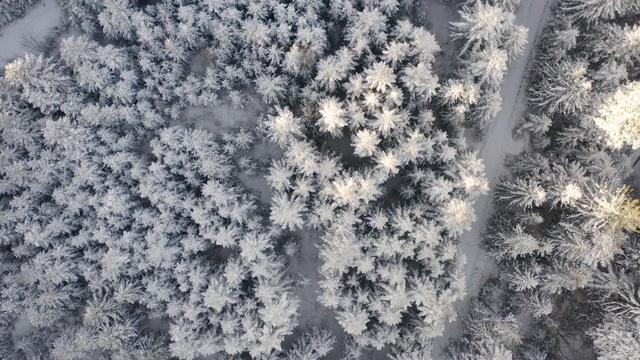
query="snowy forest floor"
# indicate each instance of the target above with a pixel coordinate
(35, 25)
(493, 149)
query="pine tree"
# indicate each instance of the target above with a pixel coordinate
(115, 19)
(457, 216)
(271, 87)
(482, 25)
(488, 66)
(610, 209)
(506, 241)
(334, 69)
(485, 110)
(564, 88)
(332, 117)
(593, 10)
(287, 212)
(617, 338)
(13, 9)
(509, 5)
(521, 192)
(43, 83)
(515, 40)
(537, 124)
(618, 117)
(312, 345)
(353, 320)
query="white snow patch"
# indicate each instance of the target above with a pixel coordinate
(225, 116)
(221, 117)
(37, 22)
(21, 328)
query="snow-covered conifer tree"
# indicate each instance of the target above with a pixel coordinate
(592, 10)
(617, 338)
(522, 193)
(565, 87)
(42, 82)
(618, 116)
(312, 345)
(482, 24)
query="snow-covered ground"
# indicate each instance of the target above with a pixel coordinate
(534, 14)
(439, 15)
(36, 23)
(305, 265)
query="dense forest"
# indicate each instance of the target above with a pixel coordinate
(565, 236)
(289, 179)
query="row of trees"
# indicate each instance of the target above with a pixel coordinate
(566, 230)
(488, 39)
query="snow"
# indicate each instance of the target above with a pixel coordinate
(21, 328)
(533, 14)
(37, 22)
(311, 313)
(439, 15)
(223, 117)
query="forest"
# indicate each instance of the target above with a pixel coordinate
(320, 179)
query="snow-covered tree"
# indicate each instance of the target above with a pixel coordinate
(287, 212)
(489, 38)
(593, 10)
(332, 117)
(42, 82)
(611, 209)
(617, 338)
(522, 193)
(505, 241)
(510, 5)
(564, 87)
(488, 66)
(619, 118)
(312, 345)
(536, 124)
(13, 9)
(365, 143)
(515, 41)
(458, 216)
(482, 24)
(115, 19)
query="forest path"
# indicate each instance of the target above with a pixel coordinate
(36, 23)
(493, 149)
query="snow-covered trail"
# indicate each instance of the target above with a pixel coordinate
(37, 22)
(493, 149)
